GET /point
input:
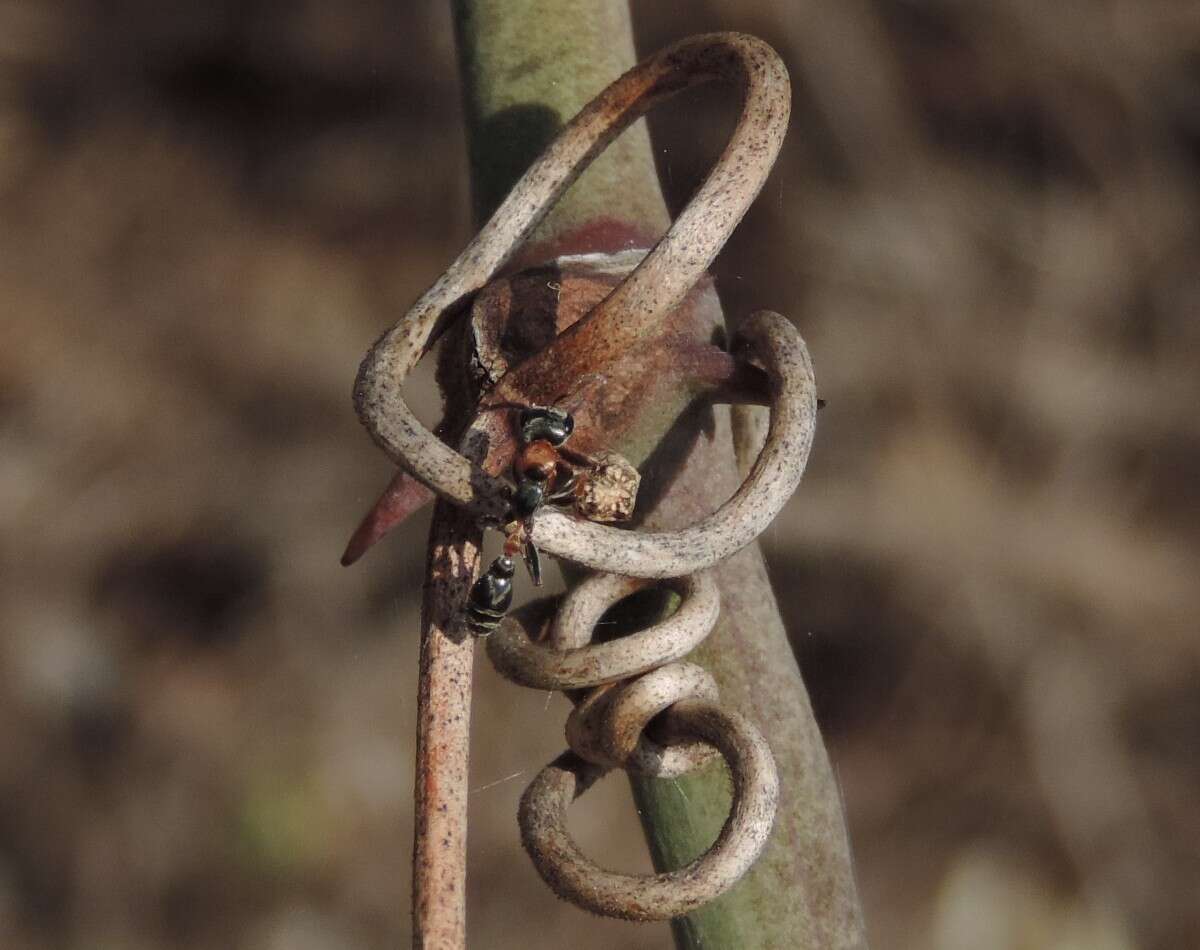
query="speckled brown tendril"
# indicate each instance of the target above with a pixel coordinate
(635, 680)
(657, 285)
(638, 677)
(566, 661)
(660, 896)
(621, 686)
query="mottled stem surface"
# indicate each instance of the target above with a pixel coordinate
(443, 733)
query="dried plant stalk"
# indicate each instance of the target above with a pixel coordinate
(443, 733)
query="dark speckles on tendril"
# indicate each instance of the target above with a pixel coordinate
(616, 324)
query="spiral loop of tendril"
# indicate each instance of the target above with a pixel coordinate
(607, 730)
(620, 686)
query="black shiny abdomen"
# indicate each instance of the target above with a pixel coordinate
(527, 499)
(490, 597)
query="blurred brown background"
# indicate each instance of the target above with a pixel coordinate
(985, 222)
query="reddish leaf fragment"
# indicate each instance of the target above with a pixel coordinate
(403, 496)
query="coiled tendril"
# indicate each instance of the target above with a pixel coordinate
(621, 685)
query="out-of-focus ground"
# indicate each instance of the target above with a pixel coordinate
(987, 224)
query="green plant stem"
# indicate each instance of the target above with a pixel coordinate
(529, 65)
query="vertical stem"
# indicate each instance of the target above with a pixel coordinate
(443, 724)
(527, 66)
